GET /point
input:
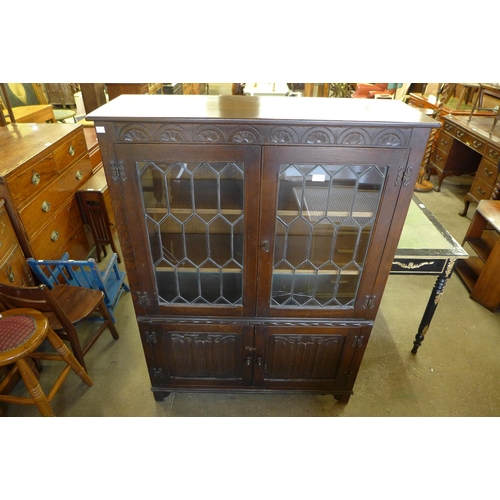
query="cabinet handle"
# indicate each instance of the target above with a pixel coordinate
(79, 175)
(259, 361)
(10, 274)
(447, 126)
(489, 173)
(266, 246)
(460, 133)
(71, 150)
(477, 144)
(480, 191)
(439, 158)
(35, 179)
(54, 236)
(493, 153)
(45, 206)
(444, 142)
(248, 360)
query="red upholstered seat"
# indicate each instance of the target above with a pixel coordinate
(15, 330)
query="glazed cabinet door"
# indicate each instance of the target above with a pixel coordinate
(198, 356)
(308, 357)
(326, 216)
(196, 207)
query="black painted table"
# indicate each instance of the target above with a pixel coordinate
(427, 248)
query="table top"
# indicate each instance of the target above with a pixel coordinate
(490, 210)
(478, 125)
(423, 236)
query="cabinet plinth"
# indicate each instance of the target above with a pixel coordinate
(258, 233)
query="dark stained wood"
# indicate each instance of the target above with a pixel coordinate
(254, 347)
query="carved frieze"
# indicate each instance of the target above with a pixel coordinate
(224, 133)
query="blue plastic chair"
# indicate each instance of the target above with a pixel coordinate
(85, 274)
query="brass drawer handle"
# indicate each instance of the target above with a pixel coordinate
(35, 179)
(439, 158)
(10, 274)
(444, 142)
(460, 133)
(45, 206)
(54, 236)
(71, 151)
(489, 173)
(447, 126)
(79, 175)
(480, 191)
(493, 153)
(477, 144)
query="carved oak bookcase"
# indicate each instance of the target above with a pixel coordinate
(258, 233)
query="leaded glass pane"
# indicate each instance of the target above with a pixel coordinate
(325, 218)
(194, 216)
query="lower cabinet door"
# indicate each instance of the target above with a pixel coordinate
(198, 356)
(307, 358)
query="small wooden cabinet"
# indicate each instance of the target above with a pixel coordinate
(258, 233)
(41, 168)
(480, 272)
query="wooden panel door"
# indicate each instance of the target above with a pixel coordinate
(326, 217)
(198, 356)
(307, 358)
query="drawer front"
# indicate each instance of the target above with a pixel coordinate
(480, 189)
(449, 127)
(438, 158)
(70, 151)
(492, 154)
(95, 158)
(8, 238)
(444, 142)
(32, 181)
(39, 212)
(15, 271)
(487, 172)
(478, 144)
(50, 243)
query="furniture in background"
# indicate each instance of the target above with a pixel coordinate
(480, 273)
(13, 270)
(491, 90)
(262, 265)
(372, 90)
(467, 148)
(98, 212)
(426, 248)
(93, 95)
(116, 89)
(83, 273)
(65, 306)
(22, 331)
(467, 93)
(41, 169)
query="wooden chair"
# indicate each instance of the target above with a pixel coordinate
(65, 306)
(96, 215)
(83, 273)
(22, 331)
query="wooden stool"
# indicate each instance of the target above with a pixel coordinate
(21, 332)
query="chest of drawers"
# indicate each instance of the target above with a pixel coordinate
(41, 168)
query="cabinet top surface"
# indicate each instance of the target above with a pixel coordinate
(20, 142)
(248, 108)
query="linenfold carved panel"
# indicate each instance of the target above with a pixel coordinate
(203, 133)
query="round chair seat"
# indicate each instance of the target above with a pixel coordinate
(21, 332)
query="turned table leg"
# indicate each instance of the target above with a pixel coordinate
(436, 294)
